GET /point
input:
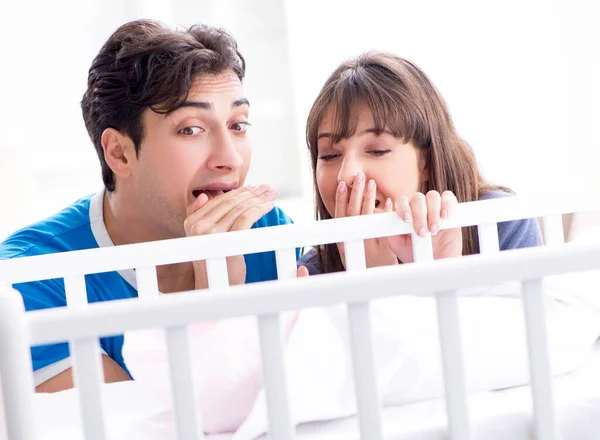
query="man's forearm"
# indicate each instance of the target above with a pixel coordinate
(64, 381)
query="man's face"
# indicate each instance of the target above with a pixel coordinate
(200, 147)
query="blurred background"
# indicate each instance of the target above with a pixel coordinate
(521, 77)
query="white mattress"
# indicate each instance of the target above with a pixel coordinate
(495, 415)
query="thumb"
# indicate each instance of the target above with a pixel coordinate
(200, 201)
(302, 272)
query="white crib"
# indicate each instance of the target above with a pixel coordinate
(83, 324)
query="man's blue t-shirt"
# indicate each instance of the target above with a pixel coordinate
(81, 226)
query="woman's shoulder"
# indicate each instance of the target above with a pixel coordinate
(515, 234)
(311, 261)
(495, 194)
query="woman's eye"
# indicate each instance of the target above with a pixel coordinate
(328, 157)
(190, 131)
(240, 127)
(379, 153)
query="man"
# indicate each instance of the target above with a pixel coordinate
(167, 115)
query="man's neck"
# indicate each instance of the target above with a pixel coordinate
(118, 220)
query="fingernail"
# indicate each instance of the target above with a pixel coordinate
(342, 187)
(422, 231)
(263, 186)
(388, 202)
(360, 177)
(408, 218)
(271, 193)
(434, 229)
(371, 184)
(444, 214)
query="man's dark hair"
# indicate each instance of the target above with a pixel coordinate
(145, 64)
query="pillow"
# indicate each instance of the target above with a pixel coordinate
(226, 367)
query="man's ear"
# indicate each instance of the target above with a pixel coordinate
(119, 152)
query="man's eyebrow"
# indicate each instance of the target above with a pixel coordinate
(239, 102)
(207, 106)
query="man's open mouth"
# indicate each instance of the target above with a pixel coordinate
(210, 193)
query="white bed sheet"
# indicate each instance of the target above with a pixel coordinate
(498, 415)
(494, 415)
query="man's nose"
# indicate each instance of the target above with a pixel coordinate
(225, 156)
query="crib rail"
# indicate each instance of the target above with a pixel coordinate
(211, 247)
(83, 324)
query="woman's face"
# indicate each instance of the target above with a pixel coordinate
(397, 168)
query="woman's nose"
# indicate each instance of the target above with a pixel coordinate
(348, 171)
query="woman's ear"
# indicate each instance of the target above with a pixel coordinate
(423, 167)
(119, 152)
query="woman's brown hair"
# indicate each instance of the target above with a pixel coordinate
(404, 102)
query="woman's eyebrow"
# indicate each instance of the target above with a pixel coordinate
(368, 130)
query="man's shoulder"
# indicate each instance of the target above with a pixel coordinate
(68, 229)
(274, 218)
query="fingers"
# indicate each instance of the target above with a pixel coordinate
(426, 211)
(239, 221)
(418, 207)
(302, 272)
(388, 205)
(403, 209)
(236, 210)
(434, 205)
(341, 200)
(215, 209)
(449, 204)
(198, 203)
(356, 195)
(368, 205)
(358, 200)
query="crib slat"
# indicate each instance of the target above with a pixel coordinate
(365, 379)
(88, 376)
(217, 272)
(15, 365)
(488, 238)
(87, 367)
(278, 404)
(75, 291)
(354, 254)
(539, 360)
(452, 362)
(187, 418)
(147, 282)
(363, 362)
(422, 248)
(286, 263)
(553, 230)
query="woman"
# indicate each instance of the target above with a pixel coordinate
(381, 139)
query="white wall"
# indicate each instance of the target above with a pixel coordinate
(522, 79)
(45, 58)
(517, 74)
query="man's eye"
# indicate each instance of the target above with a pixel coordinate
(240, 127)
(190, 131)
